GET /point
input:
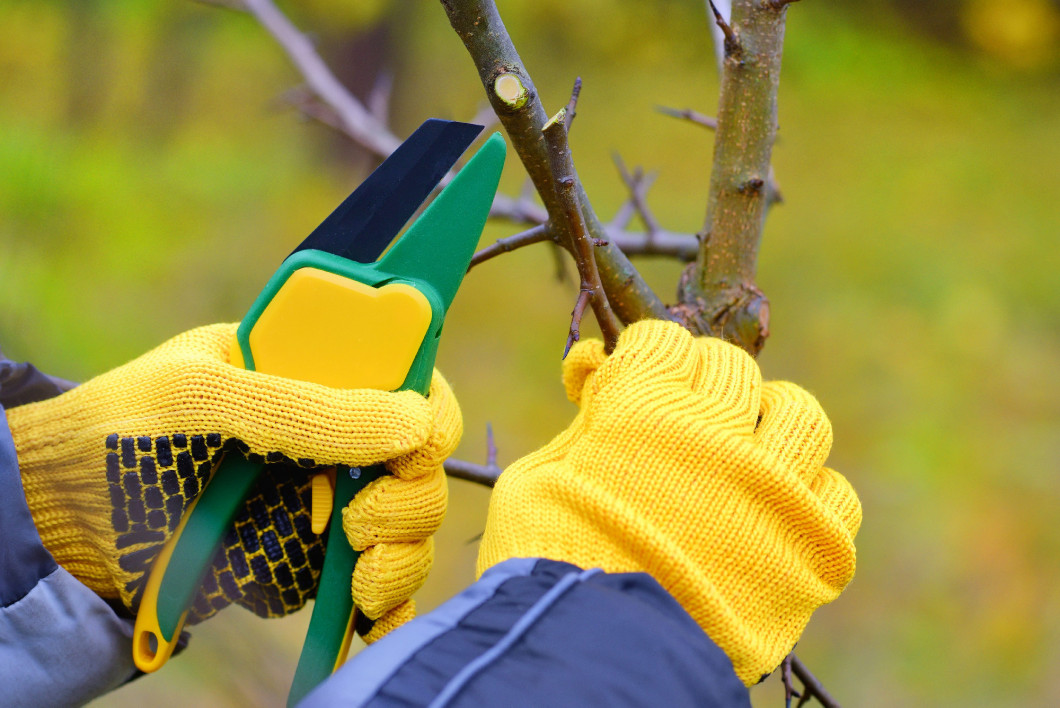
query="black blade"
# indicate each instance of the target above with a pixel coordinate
(367, 221)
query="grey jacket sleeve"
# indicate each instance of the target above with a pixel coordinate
(60, 644)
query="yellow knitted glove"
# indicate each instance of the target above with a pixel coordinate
(109, 467)
(394, 518)
(682, 464)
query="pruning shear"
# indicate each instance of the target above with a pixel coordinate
(381, 320)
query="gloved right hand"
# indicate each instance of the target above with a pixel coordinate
(683, 465)
(109, 468)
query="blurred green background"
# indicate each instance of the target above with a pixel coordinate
(152, 176)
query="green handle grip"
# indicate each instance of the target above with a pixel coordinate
(327, 640)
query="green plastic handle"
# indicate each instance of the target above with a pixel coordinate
(325, 640)
(229, 485)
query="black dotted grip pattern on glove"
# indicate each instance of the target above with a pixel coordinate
(269, 560)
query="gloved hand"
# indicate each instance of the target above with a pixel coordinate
(109, 467)
(682, 464)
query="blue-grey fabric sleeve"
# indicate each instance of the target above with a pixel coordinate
(534, 632)
(60, 644)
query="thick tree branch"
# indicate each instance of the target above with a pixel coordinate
(514, 97)
(718, 294)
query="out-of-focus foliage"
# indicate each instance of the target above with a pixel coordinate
(1023, 35)
(151, 178)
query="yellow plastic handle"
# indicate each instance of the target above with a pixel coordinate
(147, 631)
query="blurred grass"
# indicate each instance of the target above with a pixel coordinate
(150, 182)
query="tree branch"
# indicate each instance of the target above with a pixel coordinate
(485, 475)
(514, 97)
(561, 166)
(510, 243)
(572, 104)
(480, 474)
(355, 119)
(691, 116)
(732, 43)
(638, 188)
(718, 294)
(810, 685)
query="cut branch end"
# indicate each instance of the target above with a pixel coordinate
(510, 89)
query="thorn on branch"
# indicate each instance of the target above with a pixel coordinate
(576, 315)
(732, 42)
(691, 116)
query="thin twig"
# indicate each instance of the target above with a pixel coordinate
(785, 677)
(519, 211)
(576, 315)
(486, 118)
(491, 447)
(562, 167)
(572, 104)
(510, 243)
(692, 116)
(356, 120)
(666, 244)
(307, 103)
(622, 217)
(379, 97)
(732, 42)
(485, 475)
(638, 193)
(811, 685)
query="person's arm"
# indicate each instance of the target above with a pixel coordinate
(534, 632)
(60, 644)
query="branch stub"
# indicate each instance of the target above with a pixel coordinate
(510, 89)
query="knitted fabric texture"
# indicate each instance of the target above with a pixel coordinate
(681, 463)
(109, 467)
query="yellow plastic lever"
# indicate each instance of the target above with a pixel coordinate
(348, 334)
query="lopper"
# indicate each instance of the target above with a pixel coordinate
(381, 318)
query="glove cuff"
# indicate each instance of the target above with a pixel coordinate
(71, 515)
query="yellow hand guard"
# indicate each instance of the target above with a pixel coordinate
(109, 467)
(681, 463)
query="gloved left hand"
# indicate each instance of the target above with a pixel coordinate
(109, 467)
